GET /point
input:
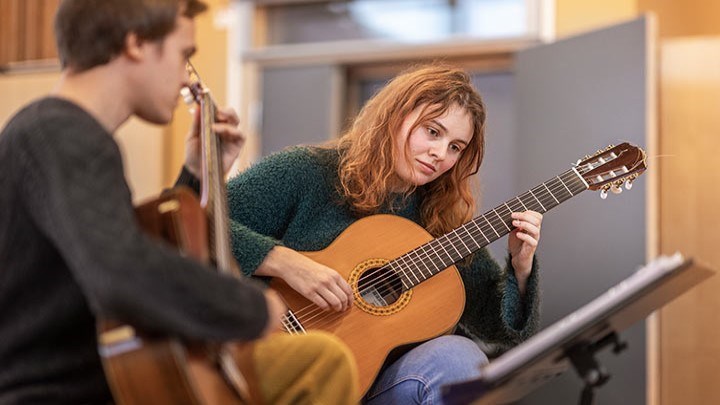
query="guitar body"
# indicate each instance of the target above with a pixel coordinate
(158, 370)
(372, 331)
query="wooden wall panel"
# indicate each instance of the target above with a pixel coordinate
(26, 30)
(689, 330)
(48, 49)
(684, 18)
(10, 38)
(31, 30)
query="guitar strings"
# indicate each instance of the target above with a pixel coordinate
(448, 240)
(309, 313)
(307, 316)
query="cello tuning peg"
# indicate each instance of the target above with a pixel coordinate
(628, 184)
(603, 193)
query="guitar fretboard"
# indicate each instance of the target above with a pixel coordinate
(431, 258)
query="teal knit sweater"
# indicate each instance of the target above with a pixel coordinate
(291, 199)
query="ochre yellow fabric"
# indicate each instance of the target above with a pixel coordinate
(316, 368)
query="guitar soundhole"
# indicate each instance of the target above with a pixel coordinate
(380, 286)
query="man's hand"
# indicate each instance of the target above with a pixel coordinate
(226, 128)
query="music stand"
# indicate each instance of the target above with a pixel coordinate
(574, 340)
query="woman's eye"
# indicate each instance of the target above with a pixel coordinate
(433, 132)
(455, 148)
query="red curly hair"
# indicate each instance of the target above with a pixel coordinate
(367, 172)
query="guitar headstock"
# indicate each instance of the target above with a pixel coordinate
(195, 92)
(609, 168)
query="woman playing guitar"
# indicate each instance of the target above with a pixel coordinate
(410, 152)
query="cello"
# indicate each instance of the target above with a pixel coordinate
(142, 368)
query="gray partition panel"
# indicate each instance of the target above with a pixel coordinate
(296, 106)
(573, 97)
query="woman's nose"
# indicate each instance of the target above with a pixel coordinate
(438, 150)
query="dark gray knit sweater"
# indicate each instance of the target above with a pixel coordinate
(70, 250)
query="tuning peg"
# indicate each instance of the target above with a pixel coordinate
(616, 189)
(603, 193)
(187, 96)
(628, 184)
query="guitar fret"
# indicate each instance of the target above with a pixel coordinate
(463, 240)
(536, 199)
(510, 210)
(422, 253)
(521, 203)
(404, 263)
(551, 194)
(454, 247)
(414, 262)
(502, 220)
(427, 255)
(492, 227)
(404, 276)
(474, 222)
(424, 262)
(417, 268)
(438, 254)
(447, 254)
(581, 178)
(564, 185)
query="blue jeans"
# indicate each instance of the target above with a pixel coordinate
(417, 376)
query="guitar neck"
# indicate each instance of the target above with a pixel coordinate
(431, 258)
(212, 194)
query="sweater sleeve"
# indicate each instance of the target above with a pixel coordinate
(76, 192)
(494, 311)
(262, 201)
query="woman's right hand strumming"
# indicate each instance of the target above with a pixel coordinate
(318, 283)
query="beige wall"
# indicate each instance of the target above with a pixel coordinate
(18, 89)
(689, 334)
(676, 18)
(141, 143)
(211, 63)
(573, 16)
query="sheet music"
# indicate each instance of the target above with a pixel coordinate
(564, 328)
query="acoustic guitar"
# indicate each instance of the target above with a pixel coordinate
(145, 369)
(405, 285)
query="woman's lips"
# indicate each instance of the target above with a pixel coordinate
(428, 168)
